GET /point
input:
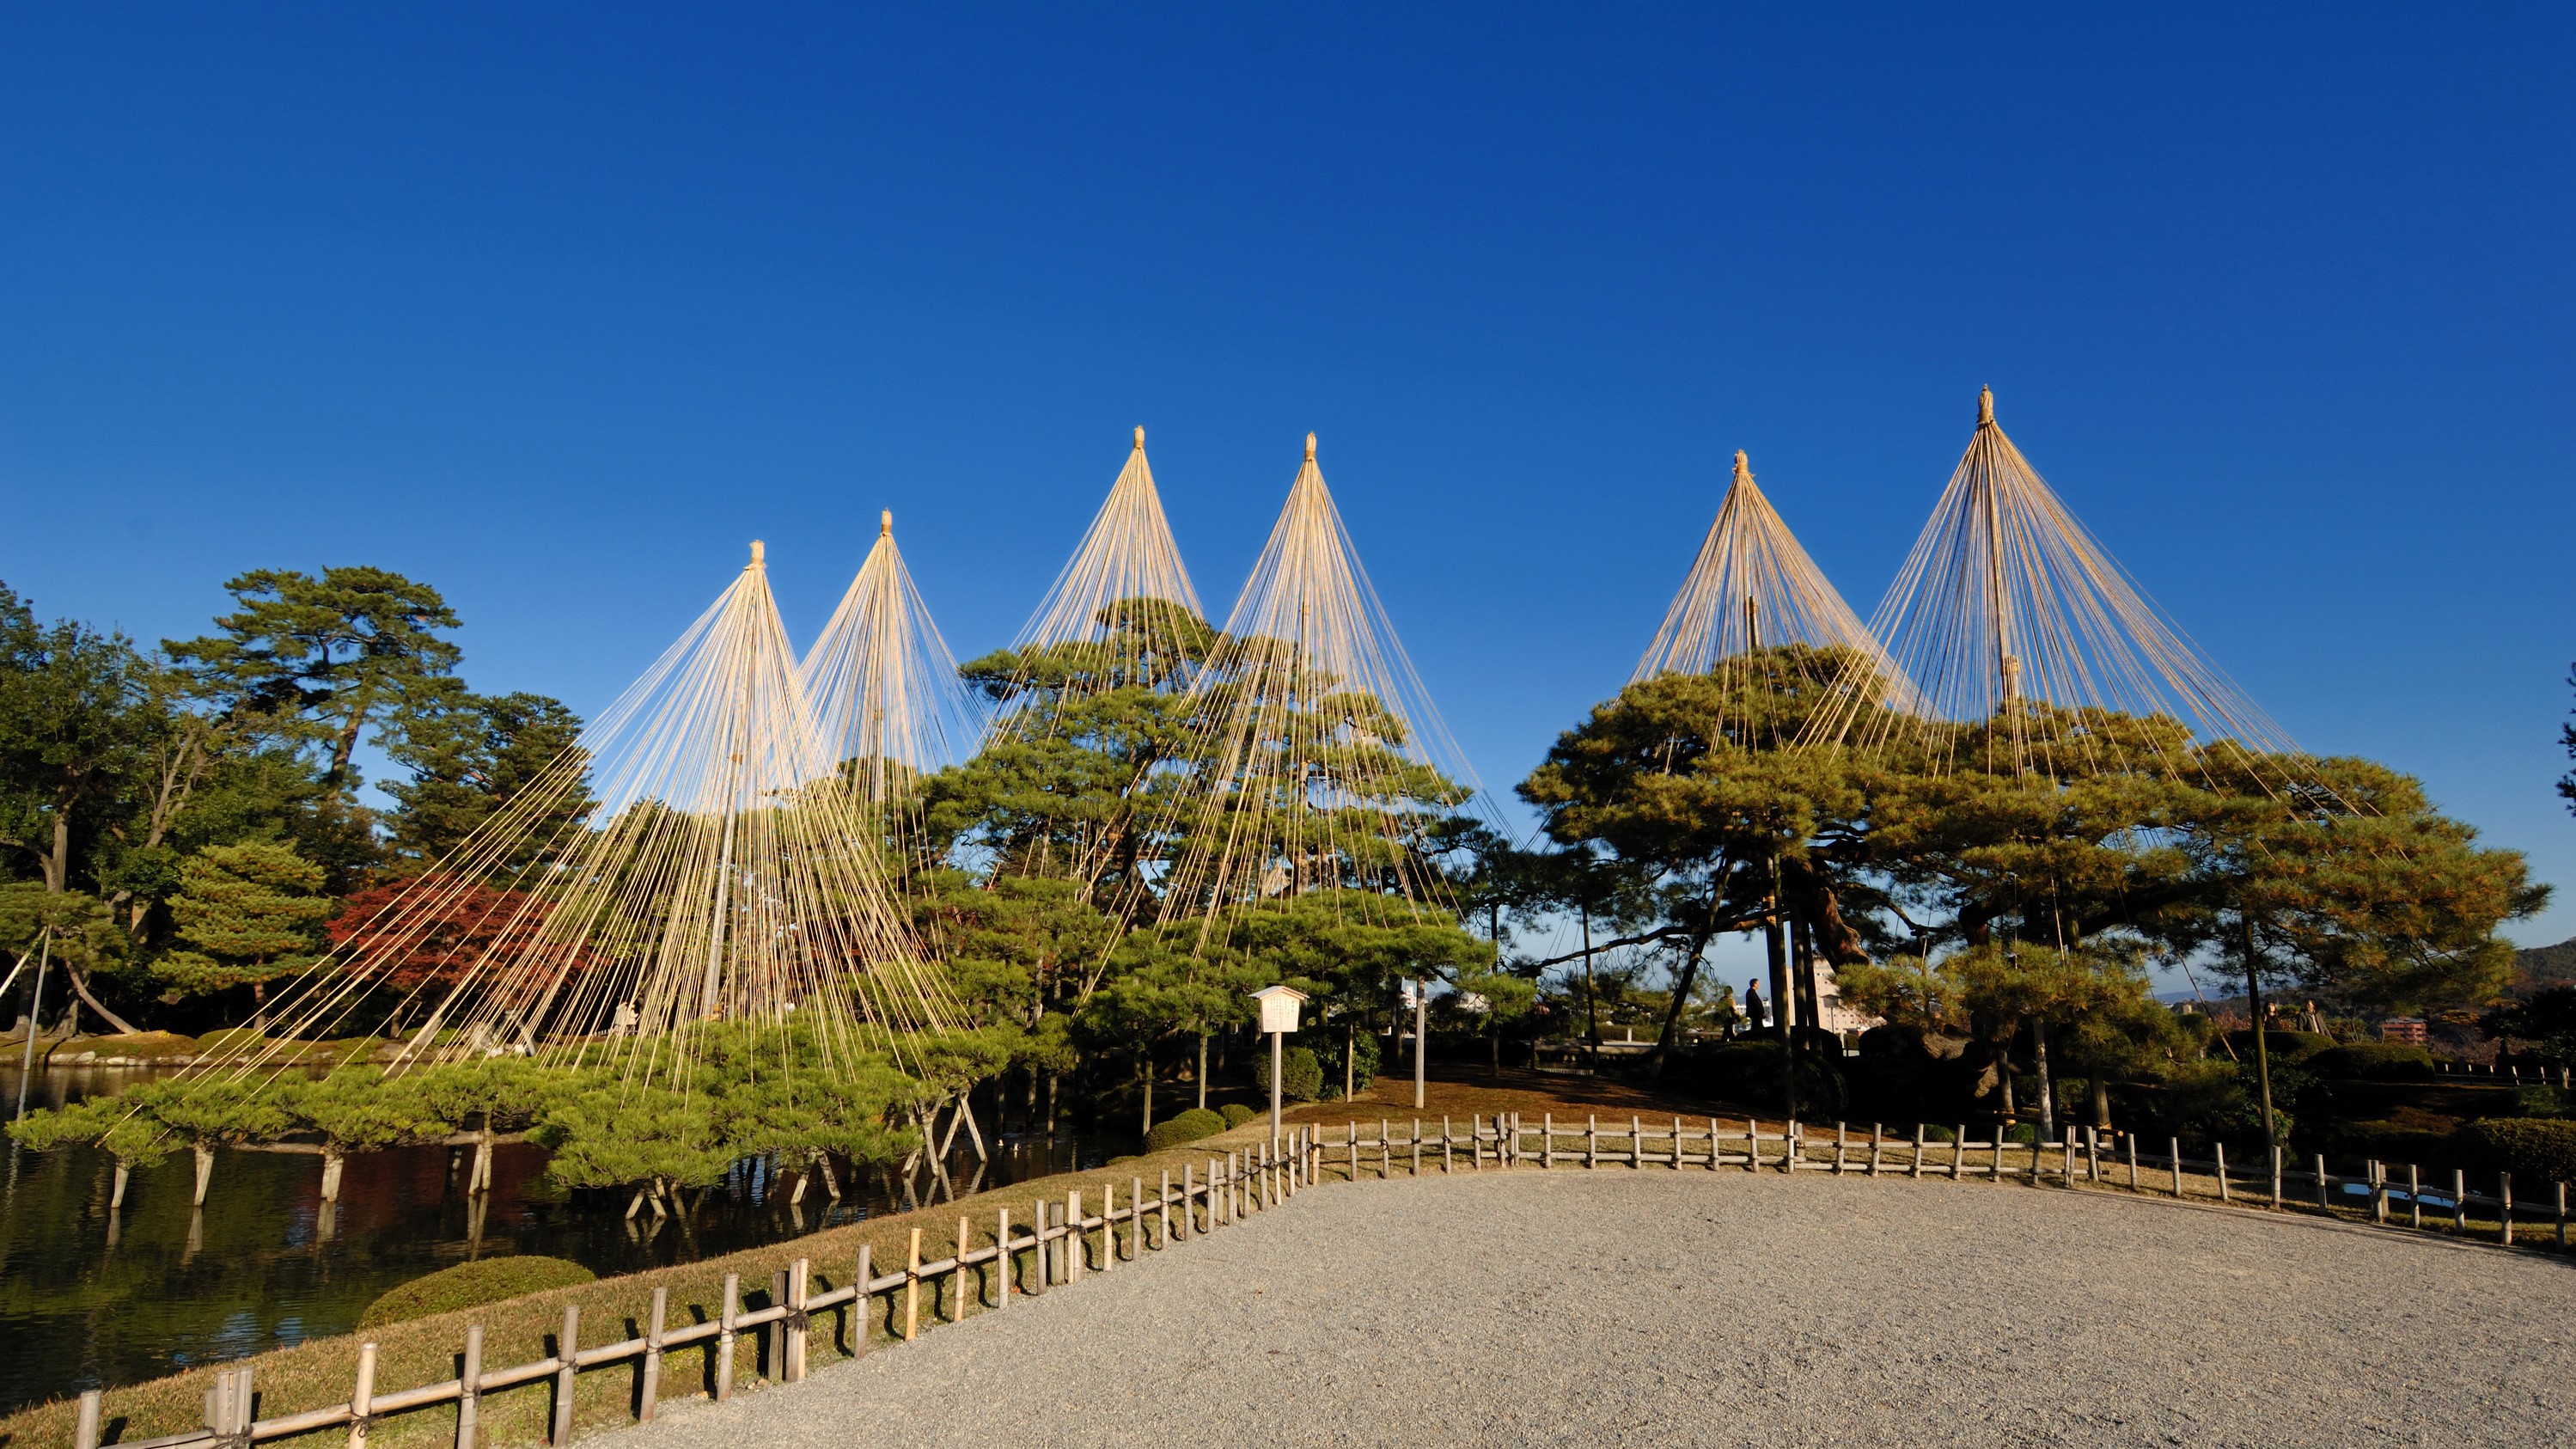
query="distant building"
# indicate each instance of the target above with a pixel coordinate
(1831, 1014)
(2406, 1029)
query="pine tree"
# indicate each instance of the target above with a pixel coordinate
(474, 758)
(249, 912)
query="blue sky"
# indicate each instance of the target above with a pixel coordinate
(557, 307)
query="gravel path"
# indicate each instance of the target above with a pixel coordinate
(1611, 1307)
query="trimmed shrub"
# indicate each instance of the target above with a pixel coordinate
(1236, 1114)
(2535, 1150)
(471, 1285)
(2372, 1060)
(1189, 1126)
(1301, 1076)
(1364, 1053)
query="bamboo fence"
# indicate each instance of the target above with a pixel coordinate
(1063, 1242)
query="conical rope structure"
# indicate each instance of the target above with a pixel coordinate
(1126, 559)
(2010, 617)
(1325, 764)
(723, 876)
(1753, 588)
(887, 701)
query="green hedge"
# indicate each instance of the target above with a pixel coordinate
(469, 1285)
(2534, 1150)
(1236, 1114)
(1189, 1126)
(2375, 1060)
(1301, 1076)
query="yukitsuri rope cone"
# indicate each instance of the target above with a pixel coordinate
(884, 689)
(1752, 587)
(722, 876)
(1326, 764)
(2010, 615)
(1126, 564)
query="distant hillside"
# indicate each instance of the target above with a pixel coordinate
(2544, 966)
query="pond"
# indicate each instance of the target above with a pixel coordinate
(89, 1300)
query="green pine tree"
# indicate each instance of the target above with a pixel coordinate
(249, 915)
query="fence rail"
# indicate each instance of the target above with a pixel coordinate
(1057, 1247)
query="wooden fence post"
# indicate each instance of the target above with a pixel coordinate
(1789, 1157)
(362, 1398)
(1874, 1147)
(1417, 1147)
(2376, 1174)
(1914, 1169)
(2504, 1208)
(1591, 1139)
(1959, 1152)
(1136, 1234)
(469, 1388)
(799, 1275)
(649, 1393)
(2323, 1203)
(1447, 1159)
(1753, 1144)
(863, 1294)
(1841, 1135)
(725, 1316)
(2276, 1176)
(565, 1348)
(2130, 1140)
(2220, 1148)
(912, 1287)
(773, 1340)
(85, 1427)
(2414, 1197)
(2176, 1145)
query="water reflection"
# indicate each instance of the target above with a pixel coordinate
(90, 1295)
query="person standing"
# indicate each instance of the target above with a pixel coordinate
(1753, 1019)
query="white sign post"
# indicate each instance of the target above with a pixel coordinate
(1278, 1018)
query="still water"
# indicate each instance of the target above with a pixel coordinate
(88, 1299)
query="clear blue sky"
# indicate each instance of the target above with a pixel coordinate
(557, 307)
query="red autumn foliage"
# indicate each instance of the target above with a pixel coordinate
(434, 928)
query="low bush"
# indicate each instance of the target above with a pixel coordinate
(2284, 1046)
(1189, 1126)
(1236, 1114)
(470, 1285)
(2535, 1150)
(2373, 1060)
(1301, 1076)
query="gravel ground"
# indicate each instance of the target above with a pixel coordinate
(1608, 1306)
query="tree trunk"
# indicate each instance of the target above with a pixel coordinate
(1145, 1069)
(2101, 1103)
(2262, 1038)
(58, 864)
(114, 1020)
(1203, 1036)
(2047, 1088)
(1673, 1014)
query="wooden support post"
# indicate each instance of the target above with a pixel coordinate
(1547, 1139)
(2562, 1215)
(469, 1388)
(1959, 1152)
(2414, 1196)
(1448, 1158)
(1789, 1147)
(566, 1347)
(1752, 1144)
(2504, 1208)
(1876, 1142)
(2131, 1140)
(1915, 1168)
(1591, 1139)
(2276, 1175)
(1073, 1235)
(2092, 1154)
(725, 1335)
(1841, 1136)
(649, 1393)
(2324, 1204)
(1636, 1143)
(1351, 1139)
(1385, 1149)
(85, 1426)
(1135, 1219)
(362, 1398)
(2220, 1148)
